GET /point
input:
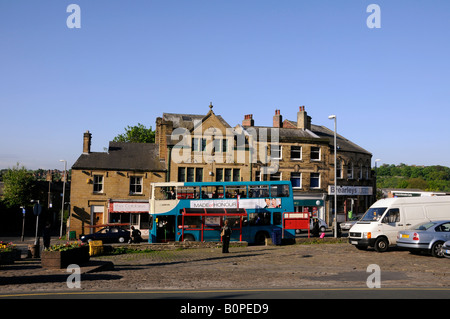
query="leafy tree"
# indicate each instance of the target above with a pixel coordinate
(136, 134)
(17, 186)
(428, 178)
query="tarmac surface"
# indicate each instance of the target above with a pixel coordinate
(325, 265)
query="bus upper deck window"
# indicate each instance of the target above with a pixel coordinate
(164, 193)
(188, 192)
(235, 191)
(259, 191)
(279, 190)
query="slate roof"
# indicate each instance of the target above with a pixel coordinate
(123, 156)
(320, 131)
(187, 120)
(343, 144)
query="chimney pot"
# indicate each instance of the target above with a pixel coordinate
(87, 142)
(248, 120)
(303, 120)
(277, 119)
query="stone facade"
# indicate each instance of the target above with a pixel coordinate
(205, 148)
(121, 175)
(289, 150)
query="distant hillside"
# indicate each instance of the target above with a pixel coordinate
(428, 178)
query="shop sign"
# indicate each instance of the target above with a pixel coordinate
(351, 190)
(130, 207)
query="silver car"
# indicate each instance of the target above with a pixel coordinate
(349, 223)
(426, 237)
(446, 249)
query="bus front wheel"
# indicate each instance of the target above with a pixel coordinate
(188, 237)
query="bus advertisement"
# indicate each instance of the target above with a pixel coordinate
(195, 211)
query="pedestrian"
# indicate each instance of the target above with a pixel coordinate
(226, 234)
(46, 235)
(135, 235)
(315, 230)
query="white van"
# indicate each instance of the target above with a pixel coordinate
(379, 226)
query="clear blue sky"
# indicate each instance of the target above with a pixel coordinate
(133, 60)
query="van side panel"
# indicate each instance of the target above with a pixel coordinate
(413, 215)
(438, 211)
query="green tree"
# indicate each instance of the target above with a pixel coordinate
(18, 183)
(136, 134)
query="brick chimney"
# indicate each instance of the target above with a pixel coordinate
(303, 120)
(277, 119)
(87, 142)
(248, 120)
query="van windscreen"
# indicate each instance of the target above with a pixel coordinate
(373, 214)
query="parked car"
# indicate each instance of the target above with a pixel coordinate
(349, 223)
(446, 249)
(109, 234)
(425, 237)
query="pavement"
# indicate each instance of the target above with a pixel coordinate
(313, 266)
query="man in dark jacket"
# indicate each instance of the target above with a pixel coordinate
(226, 235)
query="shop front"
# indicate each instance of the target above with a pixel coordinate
(351, 201)
(313, 204)
(134, 213)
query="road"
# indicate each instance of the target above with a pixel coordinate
(248, 294)
(254, 272)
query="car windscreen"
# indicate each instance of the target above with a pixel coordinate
(373, 214)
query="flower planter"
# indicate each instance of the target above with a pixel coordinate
(62, 259)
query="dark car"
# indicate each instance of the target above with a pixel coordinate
(110, 234)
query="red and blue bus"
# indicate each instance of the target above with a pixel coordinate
(196, 211)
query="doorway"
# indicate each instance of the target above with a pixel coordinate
(165, 229)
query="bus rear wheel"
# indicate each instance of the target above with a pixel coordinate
(260, 238)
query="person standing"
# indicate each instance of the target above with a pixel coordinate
(46, 235)
(226, 235)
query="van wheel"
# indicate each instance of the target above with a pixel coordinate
(436, 250)
(381, 245)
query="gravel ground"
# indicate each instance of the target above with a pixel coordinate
(294, 266)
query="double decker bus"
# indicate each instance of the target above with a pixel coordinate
(196, 210)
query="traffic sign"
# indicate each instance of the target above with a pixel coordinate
(37, 209)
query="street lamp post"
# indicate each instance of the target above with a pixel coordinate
(64, 192)
(376, 177)
(331, 117)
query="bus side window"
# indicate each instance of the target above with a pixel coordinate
(260, 219)
(277, 218)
